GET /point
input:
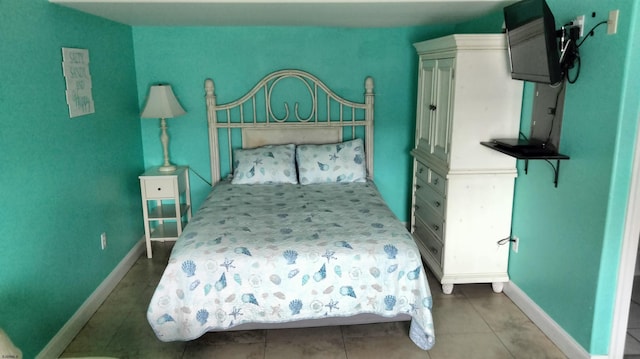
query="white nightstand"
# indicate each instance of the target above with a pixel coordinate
(166, 204)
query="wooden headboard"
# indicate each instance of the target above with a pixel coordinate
(262, 116)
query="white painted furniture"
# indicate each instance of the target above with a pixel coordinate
(166, 204)
(463, 191)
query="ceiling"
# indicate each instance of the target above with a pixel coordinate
(337, 13)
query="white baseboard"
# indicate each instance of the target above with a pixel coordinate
(65, 335)
(549, 327)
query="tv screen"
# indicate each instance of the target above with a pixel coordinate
(532, 42)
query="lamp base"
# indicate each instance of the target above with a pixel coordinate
(169, 168)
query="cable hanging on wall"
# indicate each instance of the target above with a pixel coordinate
(570, 48)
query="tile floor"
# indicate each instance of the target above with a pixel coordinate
(632, 344)
(473, 322)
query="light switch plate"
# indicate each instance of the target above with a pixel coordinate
(612, 23)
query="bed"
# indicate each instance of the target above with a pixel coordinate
(294, 232)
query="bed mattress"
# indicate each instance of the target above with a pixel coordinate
(283, 253)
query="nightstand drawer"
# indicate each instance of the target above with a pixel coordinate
(159, 188)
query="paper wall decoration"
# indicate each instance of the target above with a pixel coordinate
(75, 66)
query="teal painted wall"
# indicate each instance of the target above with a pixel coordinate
(63, 181)
(237, 57)
(67, 180)
(571, 236)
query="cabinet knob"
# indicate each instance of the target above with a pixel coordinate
(435, 227)
(420, 170)
(416, 207)
(436, 203)
(432, 107)
(418, 187)
(435, 181)
(159, 188)
(433, 250)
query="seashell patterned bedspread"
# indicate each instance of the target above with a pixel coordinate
(279, 253)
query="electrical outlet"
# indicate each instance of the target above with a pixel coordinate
(103, 240)
(515, 241)
(612, 23)
(579, 22)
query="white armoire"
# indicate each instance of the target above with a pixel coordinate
(463, 191)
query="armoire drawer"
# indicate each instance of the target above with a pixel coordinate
(432, 244)
(432, 178)
(438, 182)
(429, 195)
(422, 172)
(429, 217)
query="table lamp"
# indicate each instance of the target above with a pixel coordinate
(162, 103)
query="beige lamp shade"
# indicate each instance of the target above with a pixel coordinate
(162, 103)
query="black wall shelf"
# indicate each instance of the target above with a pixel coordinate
(531, 156)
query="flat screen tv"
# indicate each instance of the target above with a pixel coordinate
(532, 42)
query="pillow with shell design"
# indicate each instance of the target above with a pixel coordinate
(264, 165)
(332, 163)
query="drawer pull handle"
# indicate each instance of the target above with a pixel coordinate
(437, 203)
(436, 180)
(435, 227)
